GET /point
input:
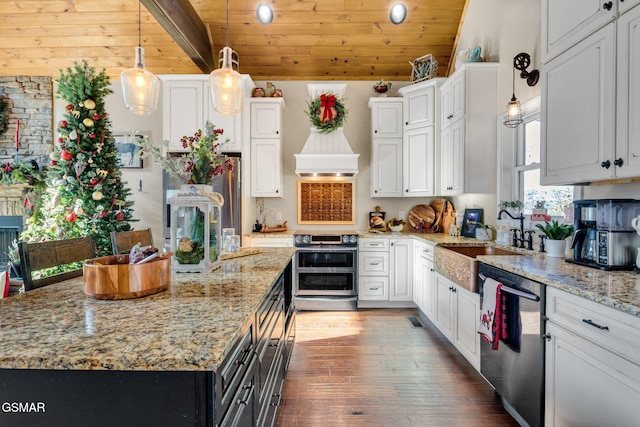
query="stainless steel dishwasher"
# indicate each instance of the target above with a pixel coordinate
(516, 368)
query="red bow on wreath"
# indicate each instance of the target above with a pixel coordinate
(327, 102)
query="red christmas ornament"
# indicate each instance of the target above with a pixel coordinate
(53, 162)
(69, 108)
(63, 123)
(96, 117)
(120, 216)
(60, 140)
(71, 217)
(92, 135)
(66, 155)
(102, 214)
(93, 181)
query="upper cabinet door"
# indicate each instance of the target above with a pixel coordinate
(452, 99)
(625, 5)
(386, 117)
(183, 111)
(419, 162)
(628, 110)
(386, 167)
(566, 22)
(231, 125)
(419, 106)
(266, 119)
(577, 116)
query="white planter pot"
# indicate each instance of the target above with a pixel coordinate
(556, 248)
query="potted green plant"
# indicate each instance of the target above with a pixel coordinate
(14, 259)
(514, 206)
(556, 234)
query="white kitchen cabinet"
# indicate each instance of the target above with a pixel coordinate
(628, 92)
(403, 148)
(386, 147)
(267, 175)
(373, 269)
(266, 117)
(592, 364)
(419, 104)
(270, 242)
(385, 272)
(467, 141)
(423, 277)
(565, 23)
(183, 110)
(386, 117)
(401, 270)
(418, 154)
(452, 159)
(578, 125)
(586, 136)
(457, 315)
(386, 167)
(187, 105)
(452, 100)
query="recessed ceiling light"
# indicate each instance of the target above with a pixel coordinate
(264, 13)
(398, 13)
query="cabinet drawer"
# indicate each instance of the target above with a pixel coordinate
(373, 263)
(605, 326)
(373, 244)
(373, 288)
(236, 364)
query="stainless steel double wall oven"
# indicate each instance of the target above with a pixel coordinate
(326, 271)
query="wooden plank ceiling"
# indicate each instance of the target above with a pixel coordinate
(307, 40)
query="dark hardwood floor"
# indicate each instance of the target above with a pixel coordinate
(372, 368)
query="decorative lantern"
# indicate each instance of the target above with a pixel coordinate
(195, 230)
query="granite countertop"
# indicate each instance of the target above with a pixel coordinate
(616, 289)
(189, 327)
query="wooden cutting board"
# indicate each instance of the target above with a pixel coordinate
(421, 213)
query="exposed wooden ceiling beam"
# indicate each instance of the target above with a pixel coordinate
(184, 25)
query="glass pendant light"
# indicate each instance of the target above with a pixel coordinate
(140, 88)
(226, 83)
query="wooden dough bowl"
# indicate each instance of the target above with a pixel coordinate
(112, 277)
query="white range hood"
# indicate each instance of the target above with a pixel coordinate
(327, 154)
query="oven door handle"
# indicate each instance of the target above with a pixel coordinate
(324, 248)
(513, 291)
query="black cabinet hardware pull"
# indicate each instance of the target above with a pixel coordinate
(618, 162)
(590, 322)
(546, 337)
(606, 164)
(608, 5)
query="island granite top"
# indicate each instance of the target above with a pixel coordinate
(189, 327)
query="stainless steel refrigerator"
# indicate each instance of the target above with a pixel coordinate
(228, 185)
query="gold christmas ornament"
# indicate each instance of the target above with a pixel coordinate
(88, 122)
(89, 104)
(97, 195)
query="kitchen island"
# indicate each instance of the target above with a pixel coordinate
(179, 357)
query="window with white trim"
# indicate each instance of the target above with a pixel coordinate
(520, 158)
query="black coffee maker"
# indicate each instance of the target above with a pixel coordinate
(584, 244)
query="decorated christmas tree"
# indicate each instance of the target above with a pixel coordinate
(86, 195)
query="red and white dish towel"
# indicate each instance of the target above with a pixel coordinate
(491, 313)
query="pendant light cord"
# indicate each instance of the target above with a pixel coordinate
(139, 27)
(227, 29)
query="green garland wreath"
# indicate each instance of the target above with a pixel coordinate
(314, 112)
